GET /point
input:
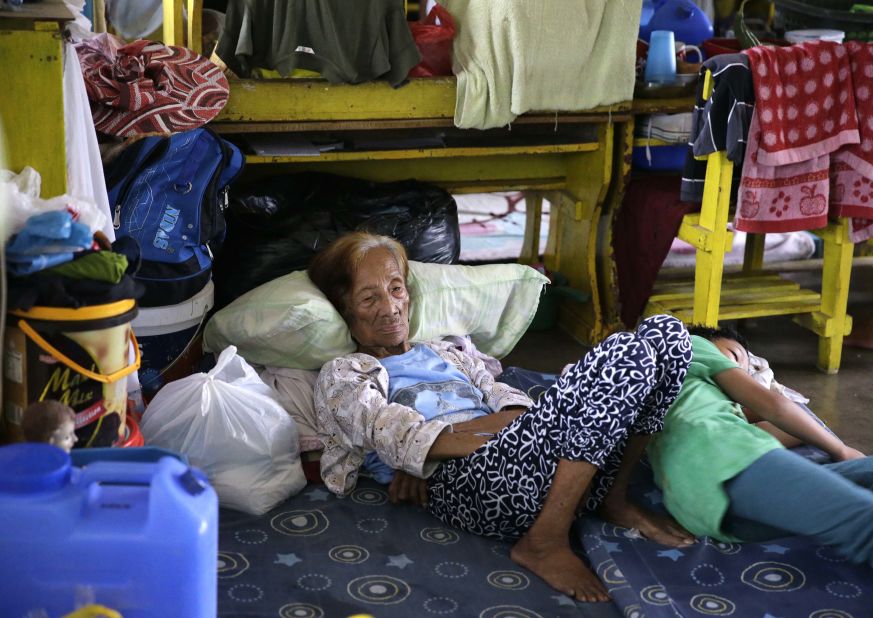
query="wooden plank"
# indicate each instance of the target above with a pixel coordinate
(228, 127)
(731, 282)
(425, 153)
(801, 298)
(32, 105)
(301, 100)
(499, 172)
(741, 312)
(662, 106)
(45, 11)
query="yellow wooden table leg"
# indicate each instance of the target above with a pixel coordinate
(709, 269)
(753, 258)
(836, 272)
(530, 248)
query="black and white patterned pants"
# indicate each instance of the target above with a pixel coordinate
(621, 387)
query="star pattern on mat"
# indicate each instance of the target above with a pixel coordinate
(287, 559)
(672, 554)
(775, 549)
(400, 561)
(633, 533)
(769, 615)
(563, 599)
(317, 495)
(611, 547)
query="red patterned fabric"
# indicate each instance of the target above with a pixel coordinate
(803, 100)
(810, 144)
(781, 198)
(147, 87)
(852, 165)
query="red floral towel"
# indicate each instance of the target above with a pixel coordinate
(803, 101)
(781, 198)
(852, 165)
(146, 87)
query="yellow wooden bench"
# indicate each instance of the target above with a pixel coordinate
(754, 292)
(578, 176)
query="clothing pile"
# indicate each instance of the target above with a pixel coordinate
(55, 261)
(57, 254)
(345, 42)
(799, 122)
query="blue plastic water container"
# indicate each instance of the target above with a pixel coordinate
(688, 22)
(139, 538)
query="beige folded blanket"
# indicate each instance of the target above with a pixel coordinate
(513, 56)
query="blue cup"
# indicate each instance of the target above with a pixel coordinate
(661, 60)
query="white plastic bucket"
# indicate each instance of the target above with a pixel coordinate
(802, 36)
(164, 333)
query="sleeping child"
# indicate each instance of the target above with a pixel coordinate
(722, 464)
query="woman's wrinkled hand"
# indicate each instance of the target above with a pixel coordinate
(407, 488)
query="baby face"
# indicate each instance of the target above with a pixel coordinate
(64, 436)
(734, 351)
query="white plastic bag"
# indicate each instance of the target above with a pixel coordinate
(230, 425)
(19, 197)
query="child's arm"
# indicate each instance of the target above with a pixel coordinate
(767, 405)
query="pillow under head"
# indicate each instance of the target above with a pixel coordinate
(288, 322)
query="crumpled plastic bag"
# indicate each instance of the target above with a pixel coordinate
(230, 425)
(19, 196)
(434, 37)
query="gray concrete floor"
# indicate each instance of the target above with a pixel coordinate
(844, 400)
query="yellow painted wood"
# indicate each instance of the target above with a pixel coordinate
(194, 30)
(753, 256)
(836, 272)
(699, 237)
(174, 26)
(283, 100)
(425, 153)
(498, 172)
(713, 218)
(530, 247)
(662, 106)
(28, 16)
(581, 241)
(32, 104)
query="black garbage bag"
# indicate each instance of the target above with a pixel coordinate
(276, 225)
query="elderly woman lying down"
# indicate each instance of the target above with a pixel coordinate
(495, 463)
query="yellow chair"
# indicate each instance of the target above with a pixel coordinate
(754, 292)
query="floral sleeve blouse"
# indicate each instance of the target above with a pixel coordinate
(354, 416)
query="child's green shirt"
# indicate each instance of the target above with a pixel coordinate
(706, 441)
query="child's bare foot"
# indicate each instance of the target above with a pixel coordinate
(556, 563)
(656, 527)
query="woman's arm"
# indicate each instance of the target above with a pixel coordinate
(490, 423)
(766, 405)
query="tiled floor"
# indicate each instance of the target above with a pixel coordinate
(844, 400)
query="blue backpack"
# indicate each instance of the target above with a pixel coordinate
(169, 193)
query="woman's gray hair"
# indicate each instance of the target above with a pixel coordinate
(333, 269)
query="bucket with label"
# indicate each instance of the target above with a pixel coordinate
(166, 335)
(76, 356)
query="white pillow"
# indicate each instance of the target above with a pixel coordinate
(288, 322)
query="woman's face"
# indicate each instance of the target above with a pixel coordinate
(378, 304)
